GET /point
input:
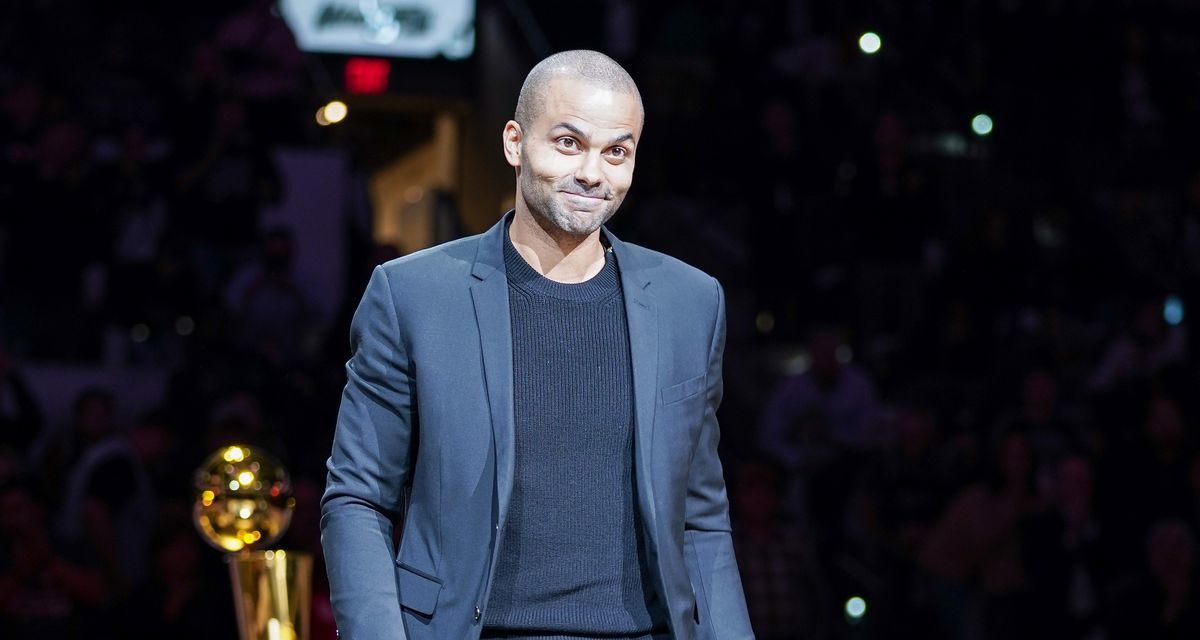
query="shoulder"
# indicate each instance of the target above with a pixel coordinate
(454, 254)
(672, 276)
(432, 268)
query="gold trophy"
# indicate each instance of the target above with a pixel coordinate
(244, 503)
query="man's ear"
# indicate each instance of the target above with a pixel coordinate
(512, 137)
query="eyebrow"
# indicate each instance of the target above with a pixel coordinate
(579, 132)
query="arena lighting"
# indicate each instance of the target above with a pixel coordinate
(367, 76)
(856, 608)
(981, 124)
(870, 42)
(332, 113)
(1173, 310)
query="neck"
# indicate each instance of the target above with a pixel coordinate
(557, 255)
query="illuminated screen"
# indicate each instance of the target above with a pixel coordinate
(394, 28)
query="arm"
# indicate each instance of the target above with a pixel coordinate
(708, 543)
(368, 469)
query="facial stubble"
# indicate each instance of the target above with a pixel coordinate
(547, 208)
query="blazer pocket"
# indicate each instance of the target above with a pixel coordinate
(685, 389)
(418, 590)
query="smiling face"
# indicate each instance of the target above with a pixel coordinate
(575, 158)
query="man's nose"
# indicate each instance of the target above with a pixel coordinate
(589, 173)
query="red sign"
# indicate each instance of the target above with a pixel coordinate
(367, 75)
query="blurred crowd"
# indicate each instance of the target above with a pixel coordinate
(959, 386)
(137, 152)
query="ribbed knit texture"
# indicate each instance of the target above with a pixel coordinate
(571, 563)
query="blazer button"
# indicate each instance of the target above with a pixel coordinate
(478, 614)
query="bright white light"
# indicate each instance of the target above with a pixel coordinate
(870, 42)
(856, 607)
(332, 113)
(981, 124)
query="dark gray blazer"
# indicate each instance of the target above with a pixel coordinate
(428, 410)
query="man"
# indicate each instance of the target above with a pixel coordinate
(537, 405)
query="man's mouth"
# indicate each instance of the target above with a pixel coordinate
(584, 195)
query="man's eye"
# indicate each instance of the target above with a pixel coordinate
(567, 143)
(618, 152)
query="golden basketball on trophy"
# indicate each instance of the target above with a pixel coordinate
(244, 503)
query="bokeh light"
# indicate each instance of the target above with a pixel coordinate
(332, 113)
(1173, 310)
(870, 43)
(981, 124)
(856, 608)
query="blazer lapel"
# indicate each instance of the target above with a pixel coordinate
(641, 310)
(490, 297)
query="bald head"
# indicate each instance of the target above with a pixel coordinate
(581, 64)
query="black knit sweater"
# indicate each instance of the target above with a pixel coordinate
(572, 562)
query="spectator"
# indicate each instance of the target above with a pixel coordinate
(106, 497)
(50, 313)
(1148, 479)
(260, 53)
(269, 306)
(238, 419)
(975, 546)
(134, 187)
(1066, 557)
(1163, 603)
(220, 192)
(908, 485)
(785, 591)
(178, 602)
(1147, 346)
(833, 390)
(1041, 418)
(48, 589)
(155, 442)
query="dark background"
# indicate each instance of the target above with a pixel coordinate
(958, 376)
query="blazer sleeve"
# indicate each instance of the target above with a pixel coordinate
(368, 469)
(708, 542)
